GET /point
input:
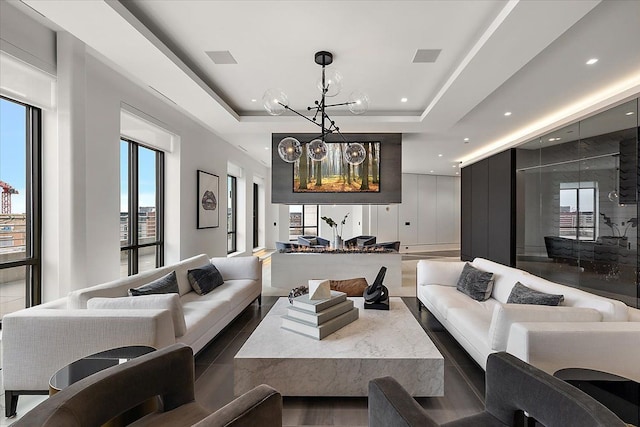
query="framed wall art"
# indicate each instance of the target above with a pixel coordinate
(208, 191)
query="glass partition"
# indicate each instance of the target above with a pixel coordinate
(577, 204)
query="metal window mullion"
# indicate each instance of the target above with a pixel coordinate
(34, 200)
(160, 208)
(133, 207)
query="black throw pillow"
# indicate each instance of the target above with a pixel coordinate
(205, 279)
(520, 294)
(163, 285)
(475, 283)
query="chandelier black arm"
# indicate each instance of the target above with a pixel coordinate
(301, 115)
(338, 105)
(335, 129)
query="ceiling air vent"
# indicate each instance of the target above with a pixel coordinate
(426, 55)
(221, 57)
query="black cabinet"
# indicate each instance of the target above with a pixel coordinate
(488, 209)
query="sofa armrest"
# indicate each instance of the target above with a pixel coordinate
(247, 267)
(605, 346)
(505, 315)
(262, 405)
(36, 343)
(438, 272)
(391, 405)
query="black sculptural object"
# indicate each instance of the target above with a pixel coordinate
(376, 296)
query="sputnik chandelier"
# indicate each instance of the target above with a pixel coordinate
(275, 101)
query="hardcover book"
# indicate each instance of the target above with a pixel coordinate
(303, 302)
(323, 316)
(321, 331)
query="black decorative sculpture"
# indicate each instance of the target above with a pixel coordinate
(376, 296)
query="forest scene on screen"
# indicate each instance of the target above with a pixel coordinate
(335, 175)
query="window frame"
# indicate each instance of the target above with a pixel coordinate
(256, 238)
(304, 228)
(578, 227)
(33, 205)
(133, 246)
(232, 214)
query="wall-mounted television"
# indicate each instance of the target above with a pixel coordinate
(334, 175)
(340, 183)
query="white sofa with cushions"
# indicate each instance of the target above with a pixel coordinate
(38, 341)
(584, 331)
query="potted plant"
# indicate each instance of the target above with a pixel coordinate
(616, 237)
(337, 237)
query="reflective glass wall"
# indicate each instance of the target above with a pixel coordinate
(577, 204)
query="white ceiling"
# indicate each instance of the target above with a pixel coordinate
(526, 56)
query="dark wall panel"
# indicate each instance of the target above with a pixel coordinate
(480, 212)
(466, 211)
(501, 230)
(488, 209)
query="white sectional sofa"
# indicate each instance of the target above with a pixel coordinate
(584, 331)
(38, 341)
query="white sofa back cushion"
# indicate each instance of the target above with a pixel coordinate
(611, 310)
(120, 287)
(505, 315)
(169, 302)
(504, 278)
(438, 272)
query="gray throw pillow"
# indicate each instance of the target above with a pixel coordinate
(205, 279)
(520, 294)
(163, 285)
(475, 283)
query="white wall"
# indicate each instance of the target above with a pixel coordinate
(81, 165)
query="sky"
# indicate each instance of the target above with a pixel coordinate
(13, 151)
(13, 160)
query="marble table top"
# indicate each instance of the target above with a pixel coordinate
(377, 334)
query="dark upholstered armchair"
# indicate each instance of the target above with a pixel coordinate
(167, 373)
(283, 246)
(312, 241)
(360, 241)
(512, 386)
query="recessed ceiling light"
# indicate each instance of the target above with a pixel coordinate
(439, 155)
(457, 173)
(592, 61)
(630, 113)
(508, 113)
(266, 148)
(454, 166)
(430, 171)
(466, 140)
(254, 100)
(403, 100)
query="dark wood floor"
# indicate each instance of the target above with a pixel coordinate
(464, 379)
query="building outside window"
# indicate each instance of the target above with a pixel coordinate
(303, 221)
(232, 214)
(20, 206)
(578, 218)
(141, 208)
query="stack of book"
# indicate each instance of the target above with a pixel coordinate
(319, 318)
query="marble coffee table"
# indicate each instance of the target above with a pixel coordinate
(379, 343)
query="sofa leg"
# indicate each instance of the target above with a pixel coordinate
(10, 403)
(259, 299)
(419, 305)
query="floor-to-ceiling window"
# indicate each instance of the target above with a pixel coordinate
(20, 206)
(303, 221)
(255, 215)
(141, 208)
(232, 213)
